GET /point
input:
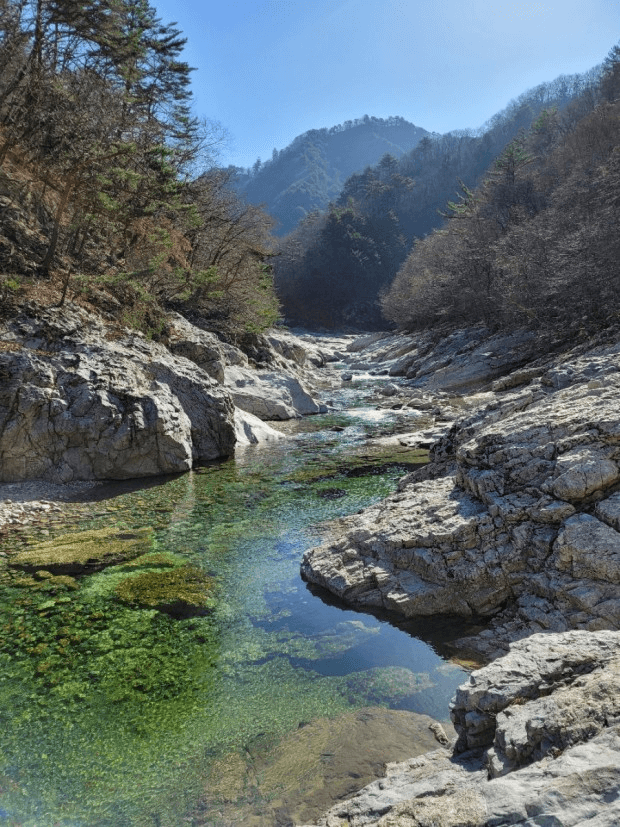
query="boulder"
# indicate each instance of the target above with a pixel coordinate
(270, 394)
(250, 430)
(199, 346)
(80, 401)
(549, 691)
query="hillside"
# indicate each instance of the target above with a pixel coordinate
(334, 267)
(99, 200)
(536, 243)
(310, 172)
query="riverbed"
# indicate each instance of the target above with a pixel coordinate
(261, 712)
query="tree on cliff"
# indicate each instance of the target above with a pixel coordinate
(95, 105)
(100, 106)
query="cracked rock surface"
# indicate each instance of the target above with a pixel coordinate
(78, 402)
(516, 519)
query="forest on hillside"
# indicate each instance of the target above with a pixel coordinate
(537, 243)
(310, 172)
(108, 184)
(338, 267)
(111, 196)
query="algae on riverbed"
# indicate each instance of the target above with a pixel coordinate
(112, 715)
(84, 551)
(181, 592)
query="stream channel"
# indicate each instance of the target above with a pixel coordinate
(264, 711)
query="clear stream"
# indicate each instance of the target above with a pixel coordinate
(112, 716)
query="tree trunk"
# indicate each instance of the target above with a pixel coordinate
(60, 211)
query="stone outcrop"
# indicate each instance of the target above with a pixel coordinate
(201, 347)
(459, 361)
(273, 383)
(250, 430)
(270, 394)
(79, 401)
(516, 518)
(538, 743)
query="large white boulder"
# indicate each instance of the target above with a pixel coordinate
(250, 430)
(81, 401)
(269, 394)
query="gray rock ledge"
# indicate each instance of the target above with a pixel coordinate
(80, 401)
(516, 519)
(546, 726)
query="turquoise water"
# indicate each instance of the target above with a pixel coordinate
(113, 716)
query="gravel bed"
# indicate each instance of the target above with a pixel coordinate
(22, 503)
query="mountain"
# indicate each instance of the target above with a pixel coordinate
(334, 267)
(310, 172)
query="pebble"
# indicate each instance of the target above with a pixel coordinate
(23, 503)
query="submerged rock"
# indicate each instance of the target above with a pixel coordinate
(539, 743)
(180, 592)
(83, 551)
(299, 776)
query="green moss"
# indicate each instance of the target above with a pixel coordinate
(84, 551)
(155, 560)
(182, 592)
(59, 583)
(52, 583)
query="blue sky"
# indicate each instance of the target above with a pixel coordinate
(269, 70)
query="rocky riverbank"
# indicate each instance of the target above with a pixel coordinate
(81, 399)
(516, 522)
(538, 743)
(517, 517)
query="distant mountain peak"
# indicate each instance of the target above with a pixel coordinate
(310, 172)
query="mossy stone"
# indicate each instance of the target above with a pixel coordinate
(59, 583)
(180, 592)
(51, 583)
(155, 560)
(84, 551)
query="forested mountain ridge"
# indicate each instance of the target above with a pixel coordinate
(100, 157)
(310, 172)
(537, 243)
(334, 266)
